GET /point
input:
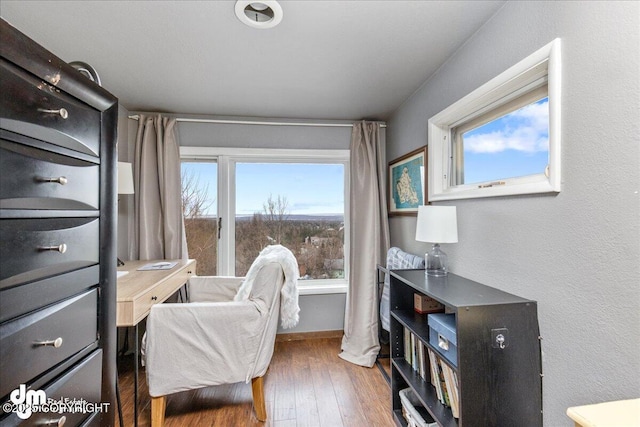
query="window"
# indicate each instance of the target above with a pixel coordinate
(297, 205)
(296, 198)
(503, 138)
(200, 210)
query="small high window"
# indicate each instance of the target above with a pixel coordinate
(503, 138)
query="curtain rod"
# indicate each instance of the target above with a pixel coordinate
(249, 122)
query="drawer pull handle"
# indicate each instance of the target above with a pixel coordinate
(62, 112)
(62, 180)
(154, 298)
(58, 423)
(57, 343)
(60, 248)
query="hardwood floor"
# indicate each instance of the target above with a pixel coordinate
(307, 385)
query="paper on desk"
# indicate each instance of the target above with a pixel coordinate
(162, 265)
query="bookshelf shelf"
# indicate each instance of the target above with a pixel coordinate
(495, 386)
(425, 392)
(414, 321)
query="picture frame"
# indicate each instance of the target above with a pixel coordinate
(407, 183)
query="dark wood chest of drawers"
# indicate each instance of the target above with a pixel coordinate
(57, 235)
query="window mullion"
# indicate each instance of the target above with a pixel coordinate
(226, 211)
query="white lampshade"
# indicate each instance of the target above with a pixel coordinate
(437, 224)
(125, 178)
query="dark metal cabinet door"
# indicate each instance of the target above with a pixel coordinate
(39, 179)
(32, 344)
(33, 249)
(31, 107)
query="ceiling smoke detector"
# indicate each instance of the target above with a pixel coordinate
(259, 14)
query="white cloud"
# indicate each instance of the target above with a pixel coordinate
(524, 130)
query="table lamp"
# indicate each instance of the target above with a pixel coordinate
(437, 224)
(125, 184)
(125, 178)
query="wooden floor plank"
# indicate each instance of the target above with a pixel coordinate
(284, 394)
(307, 384)
(347, 395)
(325, 396)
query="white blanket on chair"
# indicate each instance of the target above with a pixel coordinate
(289, 308)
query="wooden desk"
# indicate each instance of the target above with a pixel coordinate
(139, 290)
(621, 413)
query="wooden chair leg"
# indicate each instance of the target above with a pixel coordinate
(158, 405)
(257, 388)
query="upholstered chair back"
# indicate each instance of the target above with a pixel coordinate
(265, 293)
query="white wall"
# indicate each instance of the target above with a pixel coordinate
(259, 136)
(319, 313)
(577, 253)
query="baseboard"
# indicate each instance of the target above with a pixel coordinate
(298, 336)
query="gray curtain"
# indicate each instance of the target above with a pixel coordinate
(158, 222)
(369, 242)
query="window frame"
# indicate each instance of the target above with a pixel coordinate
(226, 158)
(539, 69)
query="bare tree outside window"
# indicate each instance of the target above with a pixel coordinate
(201, 228)
(316, 242)
(276, 215)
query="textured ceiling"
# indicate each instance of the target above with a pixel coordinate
(327, 59)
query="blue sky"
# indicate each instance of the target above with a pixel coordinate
(512, 146)
(309, 188)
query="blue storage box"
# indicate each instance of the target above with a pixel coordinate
(442, 335)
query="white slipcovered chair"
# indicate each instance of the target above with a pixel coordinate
(225, 334)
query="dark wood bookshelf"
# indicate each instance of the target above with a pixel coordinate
(497, 386)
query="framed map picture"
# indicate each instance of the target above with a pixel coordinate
(407, 183)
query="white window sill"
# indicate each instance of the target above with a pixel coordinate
(322, 289)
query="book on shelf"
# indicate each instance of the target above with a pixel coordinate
(445, 391)
(414, 351)
(407, 345)
(421, 367)
(415, 355)
(434, 374)
(444, 380)
(452, 388)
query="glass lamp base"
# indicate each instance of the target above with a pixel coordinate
(436, 273)
(436, 263)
